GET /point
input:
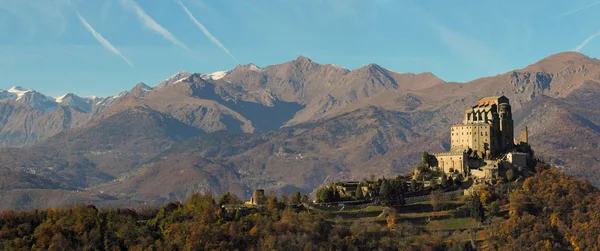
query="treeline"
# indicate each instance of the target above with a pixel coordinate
(202, 223)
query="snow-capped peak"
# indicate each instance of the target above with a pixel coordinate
(178, 75)
(253, 67)
(19, 91)
(60, 99)
(215, 75)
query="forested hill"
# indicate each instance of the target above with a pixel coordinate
(551, 211)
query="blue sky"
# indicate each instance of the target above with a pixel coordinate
(104, 47)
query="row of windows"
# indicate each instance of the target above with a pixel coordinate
(469, 127)
(485, 140)
(469, 133)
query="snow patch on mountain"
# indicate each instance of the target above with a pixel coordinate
(253, 67)
(215, 75)
(60, 99)
(339, 67)
(19, 91)
(173, 79)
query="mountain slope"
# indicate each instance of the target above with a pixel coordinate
(222, 131)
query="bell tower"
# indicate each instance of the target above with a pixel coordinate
(506, 136)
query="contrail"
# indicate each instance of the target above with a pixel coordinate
(153, 25)
(585, 42)
(103, 41)
(205, 31)
(578, 9)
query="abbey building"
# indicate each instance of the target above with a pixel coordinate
(483, 142)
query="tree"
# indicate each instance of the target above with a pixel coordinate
(434, 183)
(272, 205)
(359, 193)
(296, 198)
(458, 180)
(284, 199)
(305, 198)
(414, 186)
(510, 174)
(494, 208)
(477, 210)
(448, 182)
(518, 203)
(228, 198)
(436, 199)
(391, 221)
(324, 195)
(425, 159)
(383, 191)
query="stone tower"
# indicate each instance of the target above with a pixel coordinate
(524, 135)
(507, 134)
(257, 197)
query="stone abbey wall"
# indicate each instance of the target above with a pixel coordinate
(487, 130)
(478, 137)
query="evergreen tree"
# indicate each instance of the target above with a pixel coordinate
(414, 186)
(305, 198)
(425, 158)
(296, 198)
(448, 182)
(359, 193)
(383, 189)
(477, 210)
(324, 195)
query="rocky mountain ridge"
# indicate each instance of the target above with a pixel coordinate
(218, 132)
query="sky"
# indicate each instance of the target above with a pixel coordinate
(104, 47)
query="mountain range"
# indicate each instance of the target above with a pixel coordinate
(286, 127)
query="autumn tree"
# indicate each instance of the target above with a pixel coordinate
(494, 208)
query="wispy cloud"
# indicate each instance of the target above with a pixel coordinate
(205, 31)
(586, 41)
(578, 9)
(151, 24)
(103, 41)
(470, 49)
